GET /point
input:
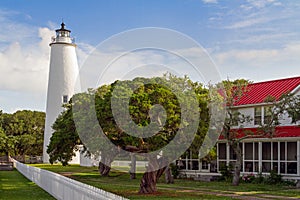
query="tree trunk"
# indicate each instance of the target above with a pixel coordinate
(133, 166)
(103, 169)
(148, 183)
(150, 178)
(168, 176)
(237, 167)
(104, 165)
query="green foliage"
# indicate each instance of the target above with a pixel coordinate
(234, 119)
(248, 178)
(64, 139)
(141, 100)
(22, 132)
(269, 99)
(119, 183)
(226, 173)
(260, 178)
(288, 103)
(7, 143)
(291, 104)
(174, 170)
(235, 90)
(274, 178)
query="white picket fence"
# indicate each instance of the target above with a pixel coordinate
(62, 187)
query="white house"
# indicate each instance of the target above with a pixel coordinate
(260, 154)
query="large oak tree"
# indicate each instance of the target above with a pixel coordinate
(22, 133)
(142, 100)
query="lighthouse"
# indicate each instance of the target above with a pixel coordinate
(62, 77)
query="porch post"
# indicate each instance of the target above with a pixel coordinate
(259, 157)
(253, 154)
(286, 154)
(186, 162)
(227, 153)
(243, 156)
(278, 160)
(218, 157)
(298, 157)
(271, 155)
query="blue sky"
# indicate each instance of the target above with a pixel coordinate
(253, 39)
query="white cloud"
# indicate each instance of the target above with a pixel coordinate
(210, 1)
(271, 38)
(12, 31)
(248, 23)
(24, 62)
(258, 64)
(25, 67)
(105, 67)
(83, 50)
(260, 13)
(262, 3)
(24, 55)
(259, 4)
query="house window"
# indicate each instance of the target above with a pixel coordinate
(267, 114)
(266, 149)
(266, 156)
(249, 151)
(65, 99)
(257, 116)
(292, 151)
(282, 150)
(275, 151)
(291, 165)
(279, 156)
(222, 151)
(288, 158)
(204, 165)
(251, 157)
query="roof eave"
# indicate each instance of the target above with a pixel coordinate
(296, 89)
(253, 105)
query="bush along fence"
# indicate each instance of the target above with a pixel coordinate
(62, 187)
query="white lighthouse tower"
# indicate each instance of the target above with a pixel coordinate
(62, 76)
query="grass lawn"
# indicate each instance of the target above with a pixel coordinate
(14, 186)
(119, 183)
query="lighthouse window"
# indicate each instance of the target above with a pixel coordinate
(64, 34)
(65, 99)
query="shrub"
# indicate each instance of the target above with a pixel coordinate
(226, 173)
(274, 178)
(174, 170)
(259, 178)
(248, 178)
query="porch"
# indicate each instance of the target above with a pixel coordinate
(262, 155)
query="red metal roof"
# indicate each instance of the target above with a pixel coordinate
(257, 92)
(280, 131)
